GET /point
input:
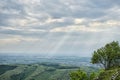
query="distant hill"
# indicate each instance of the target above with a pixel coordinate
(43, 71)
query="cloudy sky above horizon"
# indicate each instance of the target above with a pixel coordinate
(58, 27)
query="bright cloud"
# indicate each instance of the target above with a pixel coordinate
(75, 28)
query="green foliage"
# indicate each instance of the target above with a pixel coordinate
(82, 75)
(101, 75)
(108, 56)
(109, 74)
(92, 76)
(78, 75)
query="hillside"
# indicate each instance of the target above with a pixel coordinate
(43, 71)
(112, 74)
(34, 72)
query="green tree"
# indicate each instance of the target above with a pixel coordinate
(82, 75)
(108, 56)
(92, 76)
(78, 75)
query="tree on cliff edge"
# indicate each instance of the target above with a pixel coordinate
(108, 56)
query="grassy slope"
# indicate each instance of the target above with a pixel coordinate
(4, 68)
(37, 72)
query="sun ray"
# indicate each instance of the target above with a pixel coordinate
(59, 44)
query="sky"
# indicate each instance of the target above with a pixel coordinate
(58, 27)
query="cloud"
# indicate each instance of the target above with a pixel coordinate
(78, 21)
(93, 26)
(16, 40)
(75, 28)
(86, 24)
